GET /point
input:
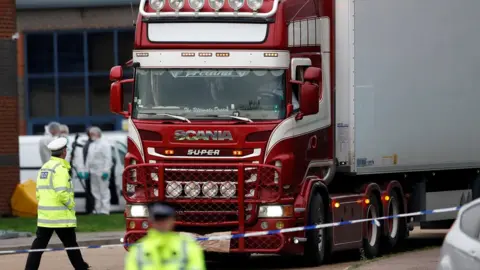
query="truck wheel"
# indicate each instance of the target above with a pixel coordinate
(396, 227)
(315, 247)
(371, 241)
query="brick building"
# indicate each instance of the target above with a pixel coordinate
(65, 50)
(9, 173)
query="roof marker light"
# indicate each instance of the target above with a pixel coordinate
(270, 55)
(255, 4)
(236, 4)
(176, 4)
(222, 54)
(196, 4)
(188, 54)
(204, 54)
(216, 4)
(157, 4)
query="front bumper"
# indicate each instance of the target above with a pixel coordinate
(257, 244)
(255, 184)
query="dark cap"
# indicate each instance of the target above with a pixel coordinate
(160, 211)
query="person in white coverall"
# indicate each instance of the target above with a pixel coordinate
(51, 131)
(98, 165)
(64, 131)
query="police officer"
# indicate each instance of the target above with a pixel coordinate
(162, 248)
(56, 207)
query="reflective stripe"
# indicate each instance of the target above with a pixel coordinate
(58, 221)
(51, 208)
(140, 256)
(44, 187)
(184, 259)
(51, 175)
(68, 202)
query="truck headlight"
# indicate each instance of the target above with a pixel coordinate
(157, 4)
(216, 4)
(196, 4)
(176, 4)
(136, 211)
(192, 189)
(210, 189)
(174, 189)
(254, 4)
(228, 189)
(275, 211)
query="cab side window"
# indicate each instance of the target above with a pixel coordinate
(296, 89)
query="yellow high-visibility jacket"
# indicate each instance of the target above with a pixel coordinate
(56, 203)
(165, 251)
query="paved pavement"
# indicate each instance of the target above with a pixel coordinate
(112, 258)
(414, 260)
(83, 239)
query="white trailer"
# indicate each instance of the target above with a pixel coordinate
(407, 95)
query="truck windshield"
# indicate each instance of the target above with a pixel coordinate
(209, 93)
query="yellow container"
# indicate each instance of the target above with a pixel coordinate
(24, 200)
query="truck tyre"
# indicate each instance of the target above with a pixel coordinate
(396, 227)
(316, 245)
(372, 238)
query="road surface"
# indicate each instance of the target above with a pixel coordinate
(112, 258)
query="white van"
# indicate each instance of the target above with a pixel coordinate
(30, 163)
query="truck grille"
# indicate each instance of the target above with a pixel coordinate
(206, 194)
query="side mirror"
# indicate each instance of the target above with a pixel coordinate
(116, 99)
(313, 74)
(309, 99)
(116, 73)
(310, 92)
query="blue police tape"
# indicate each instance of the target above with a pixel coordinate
(262, 233)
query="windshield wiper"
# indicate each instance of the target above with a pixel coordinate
(169, 115)
(245, 119)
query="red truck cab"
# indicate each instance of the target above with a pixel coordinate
(230, 120)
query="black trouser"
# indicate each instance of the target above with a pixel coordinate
(89, 200)
(68, 238)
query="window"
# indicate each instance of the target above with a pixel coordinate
(38, 129)
(40, 53)
(127, 95)
(72, 96)
(125, 48)
(77, 128)
(70, 53)
(206, 94)
(100, 52)
(296, 88)
(42, 97)
(104, 126)
(59, 82)
(99, 95)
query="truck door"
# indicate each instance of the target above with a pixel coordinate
(312, 132)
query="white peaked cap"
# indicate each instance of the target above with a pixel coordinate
(57, 144)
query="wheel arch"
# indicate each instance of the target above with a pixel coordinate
(375, 190)
(395, 186)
